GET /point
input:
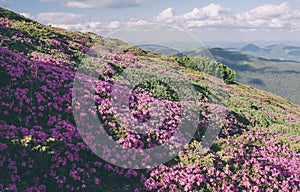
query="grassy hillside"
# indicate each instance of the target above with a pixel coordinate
(276, 76)
(43, 149)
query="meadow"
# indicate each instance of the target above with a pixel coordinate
(44, 145)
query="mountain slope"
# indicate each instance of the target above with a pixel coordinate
(277, 76)
(43, 147)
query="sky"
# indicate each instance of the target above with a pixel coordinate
(230, 20)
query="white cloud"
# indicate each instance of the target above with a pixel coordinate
(205, 23)
(194, 14)
(213, 14)
(94, 24)
(269, 16)
(28, 15)
(166, 15)
(72, 27)
(118, 24)
(83, 4)
(70, 21)
(60, 17)
(134, 22)
(214, 11)
(114, 25)
(266, 11)
(91, 26)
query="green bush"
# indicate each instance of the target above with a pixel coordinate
(208, 66)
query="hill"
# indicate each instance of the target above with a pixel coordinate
(54, 83)
(277, 76)
(251, 48)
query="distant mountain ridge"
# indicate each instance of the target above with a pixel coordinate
(164, 49)
(275, 51)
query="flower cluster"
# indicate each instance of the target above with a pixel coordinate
(259, 163)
